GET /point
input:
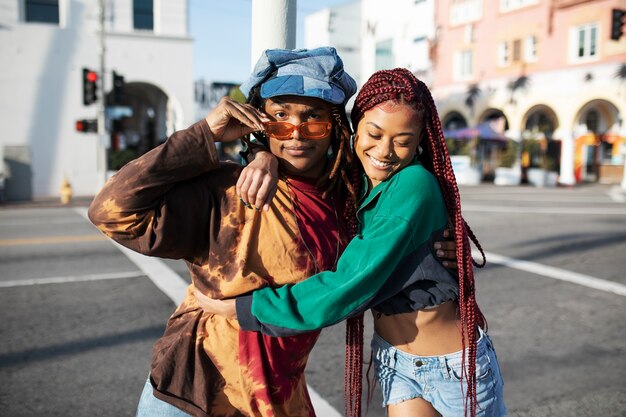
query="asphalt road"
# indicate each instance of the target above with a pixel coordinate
(79, 318)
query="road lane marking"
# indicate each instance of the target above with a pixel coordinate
(321, 406)
(51, 239)
(170, 283)
(164, 277)
(556, 273)
(543, 199)
(544, 210)
(473, 190)
(617, 194)
(71, 278)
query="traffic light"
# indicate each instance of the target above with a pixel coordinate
(617, 21)
(90, 87)
(87, 125)
(119, 93)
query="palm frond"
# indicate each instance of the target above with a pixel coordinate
(620, 74)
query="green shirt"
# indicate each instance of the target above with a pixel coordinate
(389, 265)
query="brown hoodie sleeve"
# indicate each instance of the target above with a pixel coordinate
(159, 204)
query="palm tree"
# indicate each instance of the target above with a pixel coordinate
(520, 83)
(621, 72)
(472, 94)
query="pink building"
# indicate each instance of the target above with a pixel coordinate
(548, 68)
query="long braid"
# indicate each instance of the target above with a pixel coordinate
(353, 370)
(401, 86)
(339, 166)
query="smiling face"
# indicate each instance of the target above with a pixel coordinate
(300, 156)
(386, 140)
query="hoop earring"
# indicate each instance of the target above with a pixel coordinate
(419, 150)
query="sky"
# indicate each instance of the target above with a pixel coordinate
(222, 36)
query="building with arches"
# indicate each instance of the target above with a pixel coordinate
(549, 67)
(546, 70)
(48, 43)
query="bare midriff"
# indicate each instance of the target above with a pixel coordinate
(430, 332)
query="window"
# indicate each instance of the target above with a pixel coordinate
(41, 11)
(384, 55)
(463, 65)
(508, 5)
(517, 50)
(332, 18)
(530, 49)
(465, 11)
(586, 42)
(143, 14)
(503, 54)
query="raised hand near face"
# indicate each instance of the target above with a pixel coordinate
(230, 120)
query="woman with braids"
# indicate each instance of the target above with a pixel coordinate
(178, 201)
(430, 348)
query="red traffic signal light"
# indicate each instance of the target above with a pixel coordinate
(617, 21)
(87, 125)
(90, 86)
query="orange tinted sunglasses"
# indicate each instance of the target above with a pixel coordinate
(308, 130)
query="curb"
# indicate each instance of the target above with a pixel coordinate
(46, 203)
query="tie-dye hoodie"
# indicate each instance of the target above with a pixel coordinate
(178, 201)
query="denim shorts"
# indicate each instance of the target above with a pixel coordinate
(403, 376)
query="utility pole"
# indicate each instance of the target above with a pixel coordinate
(102, 132)
(273, 25)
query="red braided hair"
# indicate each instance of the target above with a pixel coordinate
(353, 370)
(401, 86)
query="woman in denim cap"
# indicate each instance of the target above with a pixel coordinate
(432, 355)
(178, 201)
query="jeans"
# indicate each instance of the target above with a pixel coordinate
(151, 406)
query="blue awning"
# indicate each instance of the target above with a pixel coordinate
(481, 131)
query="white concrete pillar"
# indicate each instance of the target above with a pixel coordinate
(273, 26)
(566, 176)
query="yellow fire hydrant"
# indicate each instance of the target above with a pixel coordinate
(65, 191)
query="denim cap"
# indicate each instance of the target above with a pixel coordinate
(301, 72)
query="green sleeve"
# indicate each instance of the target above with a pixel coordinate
(329, 297)
(407, 214)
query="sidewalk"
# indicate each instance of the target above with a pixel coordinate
(614, 190)
(50, 202)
